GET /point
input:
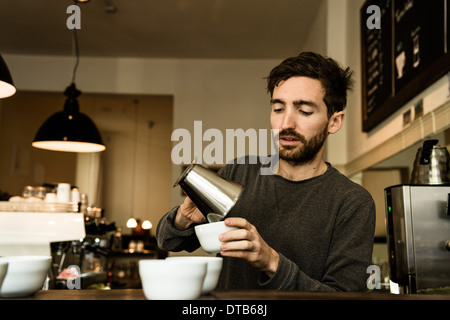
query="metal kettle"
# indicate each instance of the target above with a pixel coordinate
(432, 164)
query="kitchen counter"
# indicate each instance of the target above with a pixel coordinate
(138, 294)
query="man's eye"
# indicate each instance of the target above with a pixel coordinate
(305, 113)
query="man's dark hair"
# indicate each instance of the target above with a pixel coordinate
(334, 79)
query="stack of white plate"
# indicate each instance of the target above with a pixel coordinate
(41, 206)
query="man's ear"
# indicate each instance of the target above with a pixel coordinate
(336, 121)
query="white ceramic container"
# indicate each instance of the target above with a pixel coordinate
(25, 275)
(172, 279)
(3, 269)
(213, 268)
(208, 235)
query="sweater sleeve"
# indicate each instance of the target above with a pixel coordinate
(350, 255)
(171, 239)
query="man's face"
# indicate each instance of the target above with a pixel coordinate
(300, 115)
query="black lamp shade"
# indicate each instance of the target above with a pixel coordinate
(7, 88)
(69, 130)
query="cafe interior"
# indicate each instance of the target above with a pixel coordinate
(139, 70)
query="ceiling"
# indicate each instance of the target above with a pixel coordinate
(216, 29)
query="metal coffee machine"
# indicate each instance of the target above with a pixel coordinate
(418, 237)
(418, 224)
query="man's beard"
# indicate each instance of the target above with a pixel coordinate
(304, 152)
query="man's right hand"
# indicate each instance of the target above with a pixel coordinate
(188, 214)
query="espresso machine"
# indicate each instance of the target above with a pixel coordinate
(418, 234)
(418, 225)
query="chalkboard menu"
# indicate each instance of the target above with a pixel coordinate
(404, 50)
(377, 58)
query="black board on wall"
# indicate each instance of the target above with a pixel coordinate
(401, 58)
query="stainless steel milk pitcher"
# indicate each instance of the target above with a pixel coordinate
(210, 192)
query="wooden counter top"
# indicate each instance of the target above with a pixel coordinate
(138, 294)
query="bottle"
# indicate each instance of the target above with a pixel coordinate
(75, 196)
(40, 192)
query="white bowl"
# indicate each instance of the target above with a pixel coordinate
(25, 275)
(213, 268)
(208, 235)
(3, 269)
(172, 279)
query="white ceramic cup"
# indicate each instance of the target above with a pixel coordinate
(172, 279)
(208, 235)
(213, 268)
(63, 193)
(25, 275)
(50, 197)
(75, 195)
(3, 269)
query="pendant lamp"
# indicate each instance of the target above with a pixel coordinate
(69, 130)
(7, 88)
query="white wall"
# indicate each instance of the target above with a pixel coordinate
(337, 34)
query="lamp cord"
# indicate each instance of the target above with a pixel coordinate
(77, 54)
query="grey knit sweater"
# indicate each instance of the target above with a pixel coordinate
(322, 228)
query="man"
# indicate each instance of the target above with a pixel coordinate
(307, 227)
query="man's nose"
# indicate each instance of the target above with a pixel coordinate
(288, 120)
